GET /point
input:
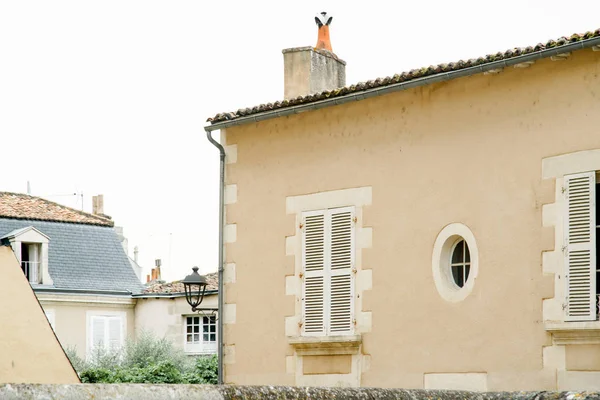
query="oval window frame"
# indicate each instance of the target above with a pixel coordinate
(441, 260)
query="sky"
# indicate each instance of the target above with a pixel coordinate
(110, 97)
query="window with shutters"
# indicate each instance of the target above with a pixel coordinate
(201, 334)
(105, 333)
(582, 234)
(328, 272)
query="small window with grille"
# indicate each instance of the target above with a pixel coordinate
(201, 334)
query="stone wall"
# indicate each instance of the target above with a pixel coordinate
(205, 392)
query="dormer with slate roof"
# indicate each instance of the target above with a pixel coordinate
(65, 250)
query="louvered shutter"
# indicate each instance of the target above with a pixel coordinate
(580, 251)
(115, 335)
(98, 339)
(341, 256)
(313, 261)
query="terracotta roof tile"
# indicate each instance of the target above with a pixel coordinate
(177, 286)
(22, 206)
(403, 77)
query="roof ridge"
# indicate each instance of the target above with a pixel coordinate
(403, 77)
(106, 221)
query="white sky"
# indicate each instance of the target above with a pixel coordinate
(111, 96)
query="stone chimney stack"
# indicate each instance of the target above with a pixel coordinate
(98, 204)
(309, 70)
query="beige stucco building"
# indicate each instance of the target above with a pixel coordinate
(435, 229)
(163, 310)
(29, 350)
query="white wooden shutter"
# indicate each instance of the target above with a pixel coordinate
(313, 261)
(115, 333)
(341, 256)
(98, 330)
(580, 242)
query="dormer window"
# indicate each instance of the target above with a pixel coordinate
(31, 249)
(30, 261)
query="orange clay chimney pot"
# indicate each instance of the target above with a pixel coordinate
(323, 21)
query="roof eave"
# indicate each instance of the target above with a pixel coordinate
(373, 92)
(168, 295)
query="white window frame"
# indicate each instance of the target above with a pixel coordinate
(201, 347)
(328, 273)
(107, 315)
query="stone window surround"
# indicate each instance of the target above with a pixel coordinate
(564, 333)
(440, 262)
(328, 345)
(557, 167)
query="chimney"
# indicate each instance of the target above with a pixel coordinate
(309, 70)
(157, 262)
(135, 254)
(98, 204)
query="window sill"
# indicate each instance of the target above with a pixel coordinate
(325, 345)
(574, 332)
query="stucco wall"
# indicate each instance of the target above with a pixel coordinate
(469, 151)
(165, 316)
(71, 315)
(29, 351)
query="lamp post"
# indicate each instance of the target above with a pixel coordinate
(194, 285)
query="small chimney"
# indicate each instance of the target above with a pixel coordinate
(98, 204)
(135, 254)
(157, 262)
(309, 70)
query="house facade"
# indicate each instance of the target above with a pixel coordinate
(77, 268)
(90, 290)
(162, 309)
(436, 229)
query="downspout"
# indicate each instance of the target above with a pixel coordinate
(221, 224)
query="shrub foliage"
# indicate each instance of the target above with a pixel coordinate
(147, 359)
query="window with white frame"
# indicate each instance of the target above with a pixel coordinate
(201, 334)
(581, 242)
(328, 272)
(105, 332)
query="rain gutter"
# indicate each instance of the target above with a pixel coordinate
(221, 225)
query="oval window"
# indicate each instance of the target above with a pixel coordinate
(460, 263)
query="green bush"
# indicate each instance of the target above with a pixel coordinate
(145, 360)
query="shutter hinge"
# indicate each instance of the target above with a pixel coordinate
(301, 274)
(355, 220)
(301, 225)
(354, 270)
(563, 189)
(564, 248)
(300, 324)
(353, 321)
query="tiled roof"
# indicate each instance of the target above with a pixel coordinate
(403, 77)
(82, 256)
(22, 206)
(177, 286)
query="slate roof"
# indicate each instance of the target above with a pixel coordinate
(82, 256)
(177, 286)
(23, 206)
(403, 77)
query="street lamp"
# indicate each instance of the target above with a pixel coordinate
(194, 285)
